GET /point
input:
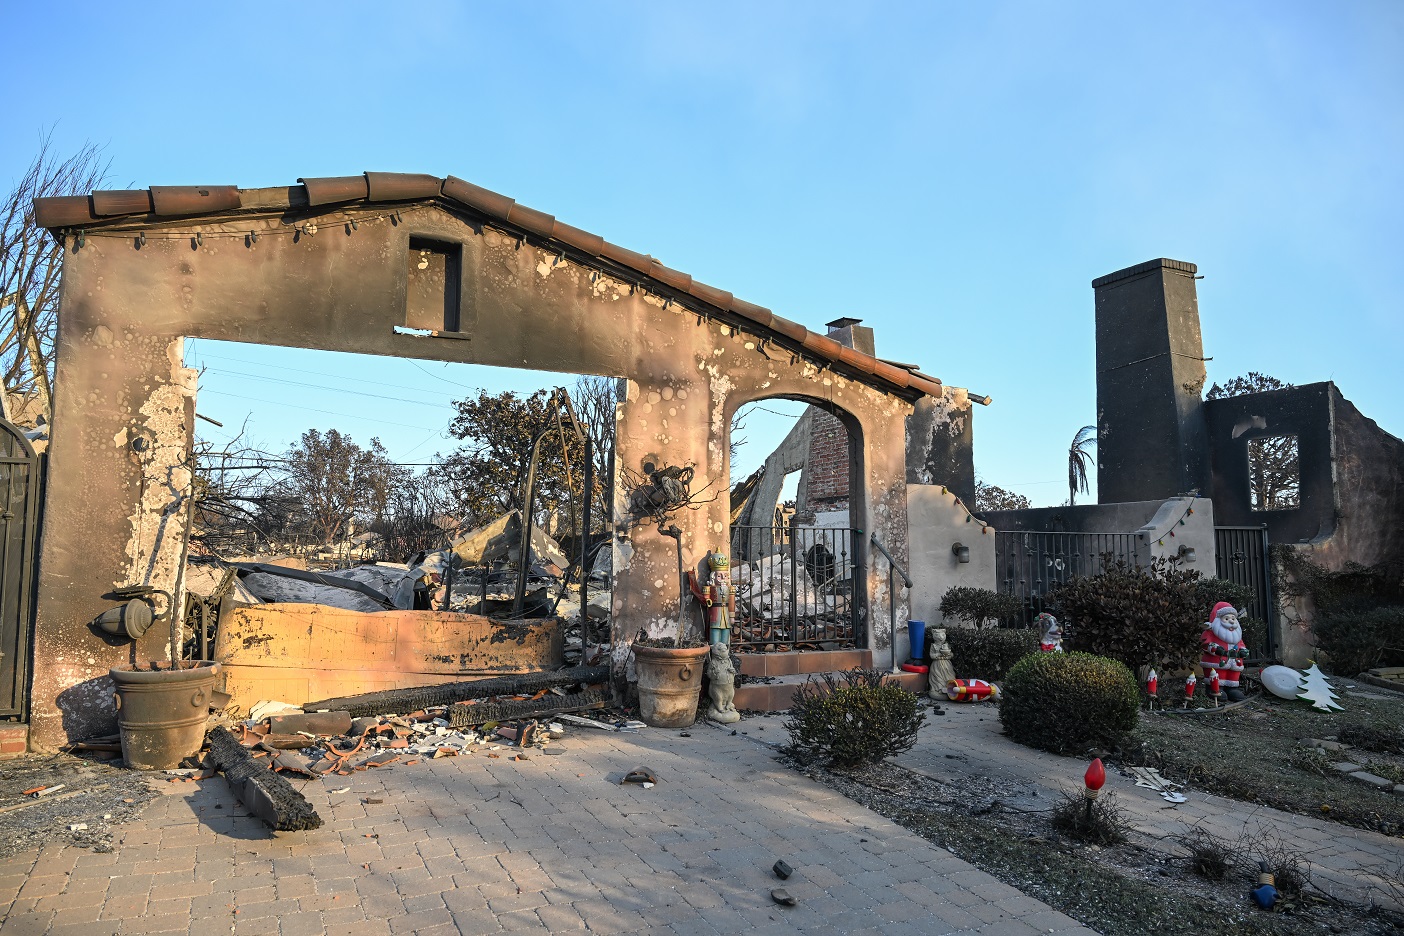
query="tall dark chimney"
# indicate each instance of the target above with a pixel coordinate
(1152, 439)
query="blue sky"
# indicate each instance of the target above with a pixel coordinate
(953, 174)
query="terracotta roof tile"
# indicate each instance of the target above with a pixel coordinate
(157, 203)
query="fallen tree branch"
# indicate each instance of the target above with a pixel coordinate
(263, 793)
(466, 715)
(404, 701)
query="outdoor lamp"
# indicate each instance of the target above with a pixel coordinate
(1186, 553)
(129, 620)
(962, 553)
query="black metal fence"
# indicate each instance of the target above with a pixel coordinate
(1031, 565)
(796, 592)
(1241, 556)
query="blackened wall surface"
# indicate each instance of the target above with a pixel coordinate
(1151, 440)
(1304, 412)
(941, 443)
(114, 507)
(1369, 488)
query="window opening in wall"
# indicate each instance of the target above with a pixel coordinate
(1274, 477)
(432, 296)
(405, 476)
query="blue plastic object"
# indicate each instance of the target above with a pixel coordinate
(916, 630)
(1265, 896)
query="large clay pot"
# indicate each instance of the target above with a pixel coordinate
(162, 712)
(670, 682)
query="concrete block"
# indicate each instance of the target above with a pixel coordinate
(1373, 779)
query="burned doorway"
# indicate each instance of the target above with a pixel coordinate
(797, 551)
(374, 484)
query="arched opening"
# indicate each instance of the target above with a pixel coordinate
(797, 518)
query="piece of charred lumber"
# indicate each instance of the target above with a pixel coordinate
(468, 714)
(263, 793)
(404, 701)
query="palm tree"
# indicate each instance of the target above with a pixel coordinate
(1078, 458)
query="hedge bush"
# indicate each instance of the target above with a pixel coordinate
(989, 654)
(1355, 641)
(1068, 702)
(1140, 616)
(978, 607)
(855, 718)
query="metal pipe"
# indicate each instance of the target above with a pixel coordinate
(583, 545)
(892, 569)
(528, 496)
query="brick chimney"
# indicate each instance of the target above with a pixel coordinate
(1152, 438)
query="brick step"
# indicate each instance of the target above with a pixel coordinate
(793, 662)
(14, 740)
(776, 696)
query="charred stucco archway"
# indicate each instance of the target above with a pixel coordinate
(472, 280)
(875, 424)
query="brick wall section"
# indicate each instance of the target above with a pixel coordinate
(14, 740)
(827, 468)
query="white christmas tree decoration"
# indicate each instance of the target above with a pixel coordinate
(1317, 691)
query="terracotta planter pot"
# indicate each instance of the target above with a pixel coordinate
(162, 712)
(670, 682)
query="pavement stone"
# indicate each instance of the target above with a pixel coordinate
(474, 845)
(966, 742)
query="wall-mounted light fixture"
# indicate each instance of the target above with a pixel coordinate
(962, 553)
(1185, 553)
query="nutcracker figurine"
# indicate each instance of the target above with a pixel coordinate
(716, 597)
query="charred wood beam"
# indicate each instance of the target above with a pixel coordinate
(263, 793)
(403, 701)
(465, 715)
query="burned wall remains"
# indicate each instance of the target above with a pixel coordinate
(338, 279)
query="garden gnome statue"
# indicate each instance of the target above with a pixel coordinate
(942, 670)
(1224, 649)
(722, 687)
(1052, 633)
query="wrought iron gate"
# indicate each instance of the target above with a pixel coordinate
(1030, 565)
(795, 588)
(19, 513)
(1241, 556)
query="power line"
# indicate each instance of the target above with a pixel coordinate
(301, 370)
(283, 405)
(299, 383)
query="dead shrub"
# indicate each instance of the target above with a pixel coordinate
(1210, 857)
(1289, 867)
(1370, 738)
(1094, 822)
(851, 719)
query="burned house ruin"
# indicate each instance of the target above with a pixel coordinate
(439, 269)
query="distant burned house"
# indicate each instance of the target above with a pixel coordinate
(1211, 483)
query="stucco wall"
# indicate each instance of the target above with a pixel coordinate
(127, 305)
(937, 521)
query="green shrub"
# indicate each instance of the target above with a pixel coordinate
(978, 607)
(988, 654)
(1214, 590)
(1068, 702)
(856, 718)
(1140, 616)
(1355, 641)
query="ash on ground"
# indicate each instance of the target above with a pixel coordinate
(93, 795)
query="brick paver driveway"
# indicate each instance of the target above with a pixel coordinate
(480, 845)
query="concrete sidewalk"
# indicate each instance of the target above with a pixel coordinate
(967, 743)
(554, 844)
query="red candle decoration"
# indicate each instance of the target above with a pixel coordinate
(1096, 776)
(1152, 682)
(1213, 682)
(1190, 683)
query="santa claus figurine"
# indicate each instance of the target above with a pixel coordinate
(1224, 649)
